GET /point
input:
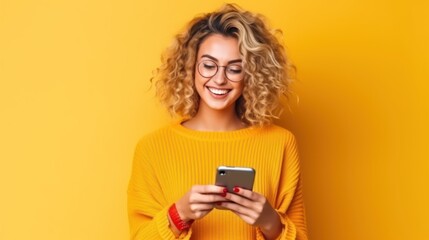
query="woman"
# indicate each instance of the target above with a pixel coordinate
(223, 76)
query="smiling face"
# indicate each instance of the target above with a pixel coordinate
(217, 92)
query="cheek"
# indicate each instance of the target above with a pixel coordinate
(199, 82)
(241, 87)
(199, 85)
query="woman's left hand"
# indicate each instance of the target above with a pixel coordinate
(254, 209)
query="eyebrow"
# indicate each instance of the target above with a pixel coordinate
(215, 59)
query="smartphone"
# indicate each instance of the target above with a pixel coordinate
(231, 177)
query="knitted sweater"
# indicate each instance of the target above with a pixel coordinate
(170, 160)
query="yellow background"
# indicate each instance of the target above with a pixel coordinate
(75, 97)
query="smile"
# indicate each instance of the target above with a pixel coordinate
(218, 91)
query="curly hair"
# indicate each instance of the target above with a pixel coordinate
(264, 61)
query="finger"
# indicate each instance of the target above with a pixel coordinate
(205, 198)
(219, 206)
(247, 193)
(206, 189)
(247, 219)
(241, 200)
(200, 214)
(201, 207)
(240, 209)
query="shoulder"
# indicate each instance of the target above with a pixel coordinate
(278, 132)
(155, 136)
(275, 135)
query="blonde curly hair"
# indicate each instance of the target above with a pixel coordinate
(264, 61)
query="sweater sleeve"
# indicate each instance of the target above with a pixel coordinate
(147, 207)
(289, 202)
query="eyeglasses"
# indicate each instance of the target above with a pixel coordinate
(233, 72)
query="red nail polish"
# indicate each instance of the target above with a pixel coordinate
(236, 189)
(225, 190)
(223, 194)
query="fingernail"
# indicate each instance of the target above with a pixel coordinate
(236, 189)
(225, 190)
(223, 194)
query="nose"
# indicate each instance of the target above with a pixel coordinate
(220, 77)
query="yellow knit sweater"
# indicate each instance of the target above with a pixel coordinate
(169, 161)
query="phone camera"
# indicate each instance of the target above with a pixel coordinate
(222, 173)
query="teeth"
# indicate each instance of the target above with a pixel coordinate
(218, 91)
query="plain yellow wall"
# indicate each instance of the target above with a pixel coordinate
(74, 100)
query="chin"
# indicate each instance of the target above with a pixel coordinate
(217, 105)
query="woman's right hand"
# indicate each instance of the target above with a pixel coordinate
(199, 201)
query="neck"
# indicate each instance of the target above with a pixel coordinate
(213, 120)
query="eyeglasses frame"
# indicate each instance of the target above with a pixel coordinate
(217, 70)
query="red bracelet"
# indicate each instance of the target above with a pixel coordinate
(177, 221)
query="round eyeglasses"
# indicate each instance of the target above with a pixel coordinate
(209, 68)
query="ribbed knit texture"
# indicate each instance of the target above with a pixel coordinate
(169, 161)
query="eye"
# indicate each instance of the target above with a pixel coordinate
(234, 69)
(209, 65)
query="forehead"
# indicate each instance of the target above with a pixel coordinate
(221, 47)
